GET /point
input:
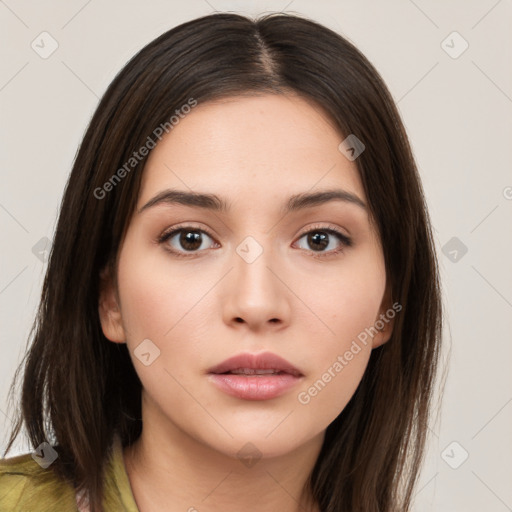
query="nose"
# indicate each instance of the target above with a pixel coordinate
(256, 296)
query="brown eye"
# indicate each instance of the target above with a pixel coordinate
(186, 240)
(190, 240)
(318, 240)
(325, 241)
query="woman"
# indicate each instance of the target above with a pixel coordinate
(242, 306)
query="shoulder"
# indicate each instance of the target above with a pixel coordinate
(25, 485)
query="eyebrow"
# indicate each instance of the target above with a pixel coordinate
(215, 203)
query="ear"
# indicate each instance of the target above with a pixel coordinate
(108, 309)
(384, 322)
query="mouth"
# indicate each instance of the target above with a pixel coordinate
(255, 364)
(255, 372)
(255, 376)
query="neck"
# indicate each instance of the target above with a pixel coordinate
(170, 470)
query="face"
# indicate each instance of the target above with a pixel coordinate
(303, 279)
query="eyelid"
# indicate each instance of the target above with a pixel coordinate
(183, 226)
(324, 227)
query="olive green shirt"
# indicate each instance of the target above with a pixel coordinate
(26, 487)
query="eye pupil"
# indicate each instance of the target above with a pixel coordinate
(318, 237)
(190, 240)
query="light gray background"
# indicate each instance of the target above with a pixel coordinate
(458, 115)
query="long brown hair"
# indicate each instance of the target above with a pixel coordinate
(79, 389)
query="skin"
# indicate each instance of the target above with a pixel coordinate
(255, 152)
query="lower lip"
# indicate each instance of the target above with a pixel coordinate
(252, 387)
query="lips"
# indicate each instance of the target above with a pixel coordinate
(256, 364)
(255, 376)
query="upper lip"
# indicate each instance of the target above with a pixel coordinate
(263, 361)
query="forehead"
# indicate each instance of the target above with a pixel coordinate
(252, 147)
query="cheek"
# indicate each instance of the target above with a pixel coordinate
(343, 301)
(347, 308)
(157, 298)
(171, 308)
(166, 308)
(325, 396)
(340, 357)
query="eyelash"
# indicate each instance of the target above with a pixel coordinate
(344, 240)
